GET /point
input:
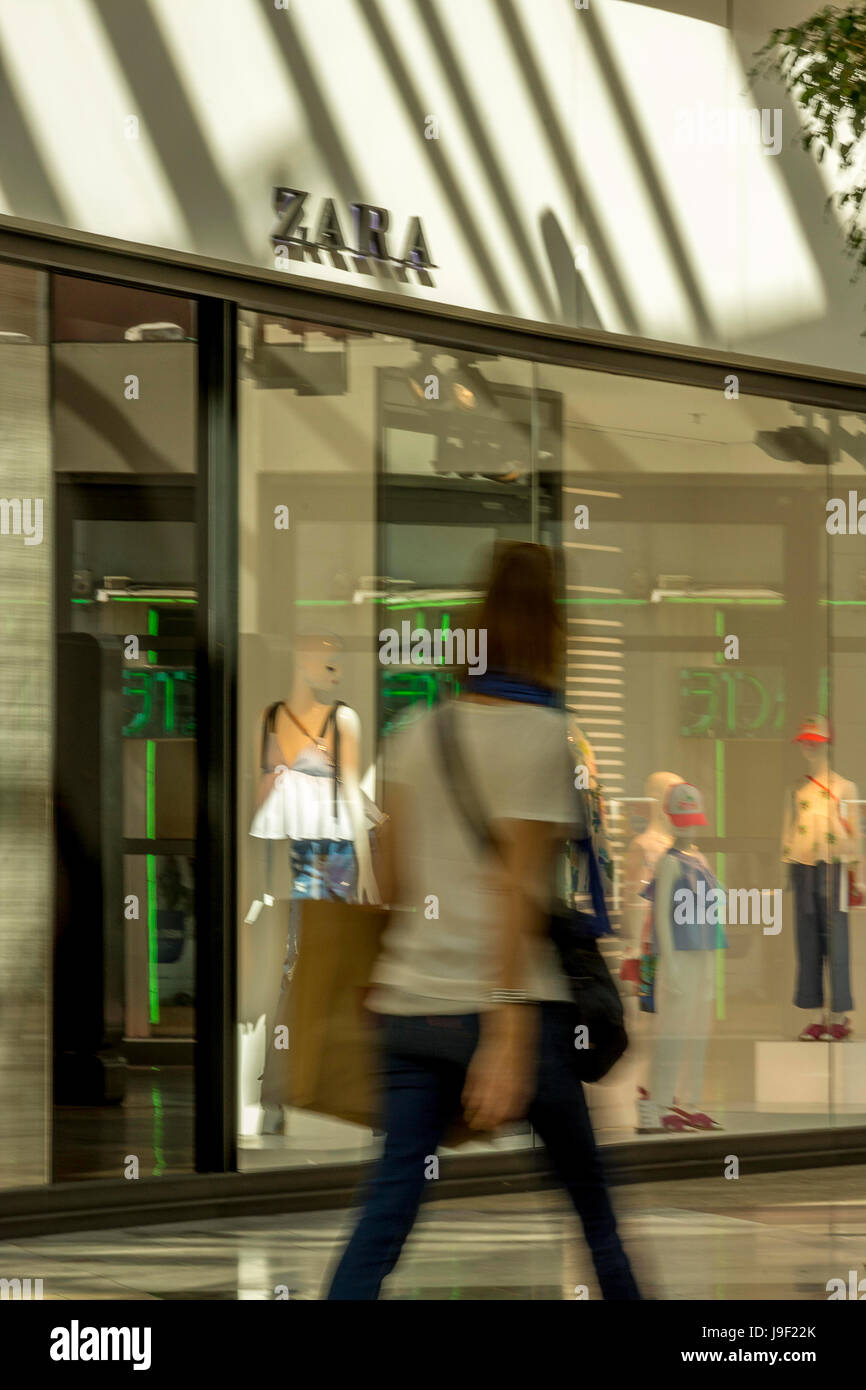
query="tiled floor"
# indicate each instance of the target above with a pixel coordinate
(766, 1236)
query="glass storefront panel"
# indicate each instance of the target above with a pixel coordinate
(693, 528)
(704, 628)
(308, 577)
(124, 405)
(843, 437)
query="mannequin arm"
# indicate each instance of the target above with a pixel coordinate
(634, 907)
(581, 751)
(666, 878)
(350, 755)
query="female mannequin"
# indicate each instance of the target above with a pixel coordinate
(306, 810)
(298, 744)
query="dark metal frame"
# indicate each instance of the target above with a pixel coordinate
(216, 678)
(220, 288)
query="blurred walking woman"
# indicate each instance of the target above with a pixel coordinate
(476, 1012)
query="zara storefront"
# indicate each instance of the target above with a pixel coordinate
(276, 366)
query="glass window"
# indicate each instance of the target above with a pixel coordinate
(125, 397)
(710, 614)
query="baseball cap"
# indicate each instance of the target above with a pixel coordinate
(816, 729)
(684, 805)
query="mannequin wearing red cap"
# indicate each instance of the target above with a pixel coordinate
(685, 984)
(642, 856)
(821, 840)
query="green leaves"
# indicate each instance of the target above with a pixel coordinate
(821, 63)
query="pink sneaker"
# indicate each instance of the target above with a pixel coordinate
(816, 1032)
(836, 1032)
(676, 1123)
(697, 1119)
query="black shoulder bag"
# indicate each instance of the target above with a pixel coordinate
(574, 933)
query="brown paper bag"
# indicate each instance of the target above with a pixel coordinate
(332, 1038)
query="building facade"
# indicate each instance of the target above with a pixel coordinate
(301, 308)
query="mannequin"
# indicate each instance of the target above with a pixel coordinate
(326, 822)
(641, 859)
(587, 780)
(821, 840)
(685, 982)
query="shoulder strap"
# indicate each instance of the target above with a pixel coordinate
(463, 792)
(829, 790)
(468, 803)
(331, 718)
(268, 723)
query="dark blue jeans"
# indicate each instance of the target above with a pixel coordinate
(822, 935)
(425, 1062)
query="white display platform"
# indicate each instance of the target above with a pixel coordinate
(800, 1074)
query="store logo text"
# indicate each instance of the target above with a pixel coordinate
(372, 228)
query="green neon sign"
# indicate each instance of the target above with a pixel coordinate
(159, 703)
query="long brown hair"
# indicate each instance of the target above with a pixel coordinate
(519, 611)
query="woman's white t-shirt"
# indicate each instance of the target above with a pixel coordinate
(440, 950)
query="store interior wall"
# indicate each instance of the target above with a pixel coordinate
(316, 456)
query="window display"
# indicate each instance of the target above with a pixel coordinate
(702, 607)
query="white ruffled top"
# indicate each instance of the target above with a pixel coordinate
(300, 805)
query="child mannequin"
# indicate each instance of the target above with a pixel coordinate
(684, 988)
(821, 841)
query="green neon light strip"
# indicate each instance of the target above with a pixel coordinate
(153, 629)
(581, 602)
(152, 977)
(721, 1011)
(124, 598)
(777, 602)
(150, 833)
(158, 1136)
(720, 632)
(168, 687)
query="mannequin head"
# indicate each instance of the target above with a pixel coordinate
(814, 738)
(656, 787)
(815, 755)
(684, 809)
(318, 669)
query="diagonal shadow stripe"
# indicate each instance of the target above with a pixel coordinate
(346, 177)
(512, 212)
(646, 164)
(560, 149)
(183, 152)
(475, 240)
(569, 281)
(90, 404)
(23, 176)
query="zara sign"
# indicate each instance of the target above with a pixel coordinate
(371, 227)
